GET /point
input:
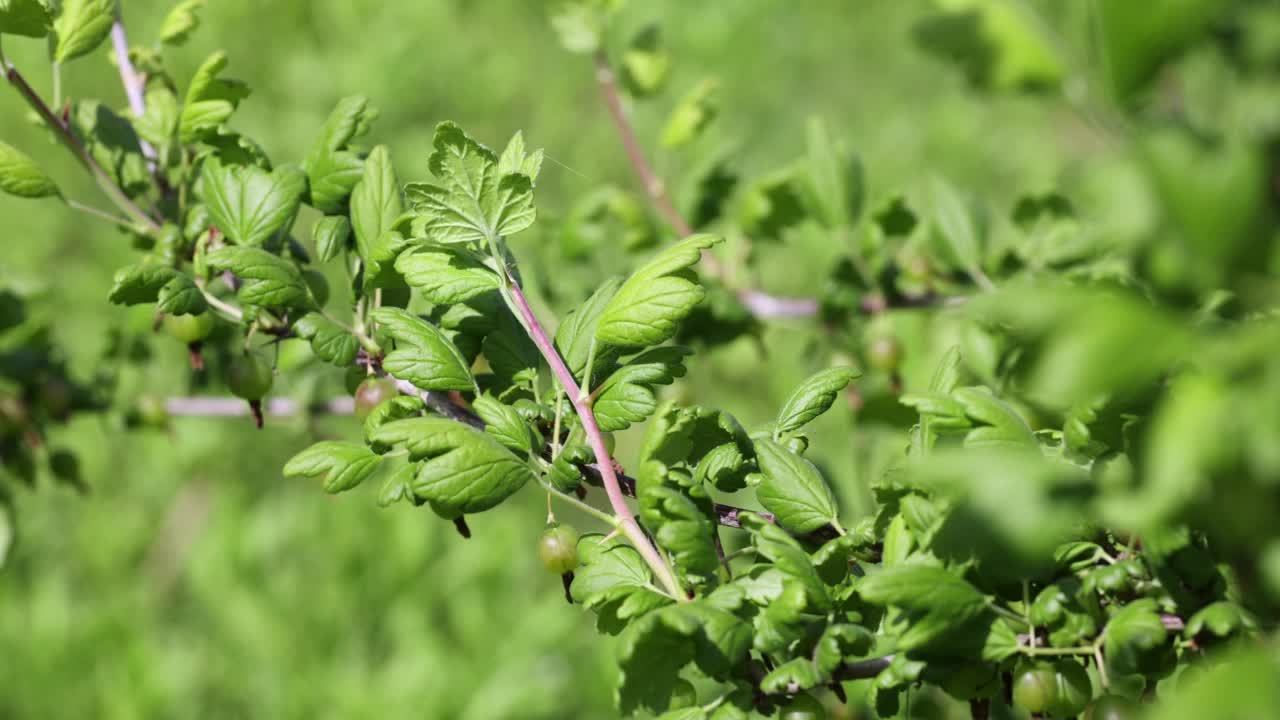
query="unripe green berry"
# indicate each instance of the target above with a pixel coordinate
(249, 376)
(372, 393)
(558, 549)
(189, 328)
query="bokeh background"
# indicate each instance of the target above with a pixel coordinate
(195, 581)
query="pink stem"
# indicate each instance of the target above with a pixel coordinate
(604, 463)
(757, 302)
(131, 80)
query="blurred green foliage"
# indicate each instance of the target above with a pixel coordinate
(192, 582)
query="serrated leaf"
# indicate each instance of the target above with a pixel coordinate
(838, 642)
(679, 525)
(627, 396)
(1004, 426)
(649, 306)
(268, 280)
(446, 275)
(160, 121)
(514, 159)
(793, 489)
(937, 602)
(81, 27)
(395, 408)
(329, 340)
(797, 672)
(691, 116)
(375, 205)
(474, 202)
(829, 180)
(645, 64)
(814, 397)
(771, 205)
(30, 18)
(332, 167)
(578, 331)
(180, 296)
(398, 486)
(512, 356)
(655, 647)
(332, 236)
(774, 544)
(423, 356)
(20, 176)
(465, 470)
(504, 423)
(210, 100)
(250, 205)
(1135, 639)
(344, 465)
(954, 229)
(181, 21)
(140, 283)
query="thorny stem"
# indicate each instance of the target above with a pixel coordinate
(77, 148)
(595, 439)
(760, 304)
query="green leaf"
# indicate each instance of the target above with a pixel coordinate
(446, 275)
(514, 159)
(24, 17)
(840, 641)
(999, 44)
(829, 179)
(180, 296)
(375, 205)
(81, 27)
(793, 489)
(649, 306)
(577, 332)
(181, 21)
(465, 470)
(160, 121)
(175, 292)
(1135, 639)
(1238, 685)
(954, 230)
(344, 465)
(329, 340)
(475, 201)
(627, 396)
(679, 525)
(654, 648)
(798, 672)
(333, 168)
(814, 397)
(771, 205)
(269, 280)
(512, 356)
(1004, 426)
(1010, 507)
(250, 205)
(1135, 41)
(504, 423)
(775, 545)
(580, 24)
(423, 356)
(20, 176)
(645, 64)
(937, 602)
(210, 100)
(332, 236)
(691, 116)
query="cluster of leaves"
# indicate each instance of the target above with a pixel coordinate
(1084, 486)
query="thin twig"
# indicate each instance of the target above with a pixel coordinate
(77, 148)
(759, 303)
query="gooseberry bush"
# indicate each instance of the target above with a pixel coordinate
(1077, 519)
